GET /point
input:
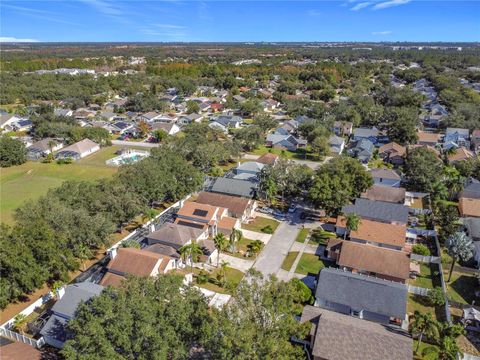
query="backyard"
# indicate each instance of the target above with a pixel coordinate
(461, 287)
(260, 223)
(308, 264)
(428, 276)
(212, 282)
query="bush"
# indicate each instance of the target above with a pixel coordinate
(65, 161)
(267, 229)
(202, 277)
(421, 249)
(435, 297)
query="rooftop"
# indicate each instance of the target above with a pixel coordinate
(235, 204)
(385, 193)
(378, 210)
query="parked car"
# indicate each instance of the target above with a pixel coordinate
(292, 208)
(265, 210)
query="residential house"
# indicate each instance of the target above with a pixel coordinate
(108, 115)
(375, 261)
(472, 228)
(169, 129)
(303, 119)
(269, 105)
(54, 331)
(392, 153)
(385, 193)
(250, 168)
(460, 154)
(131, 261)
(382, 211)
(366, 133)
(188, 119)
(342, 128)
(149, 117)
(386, 177)
(22, 125)
(362, 150)
(78, 150)
(63, 112)
(7, 120)
(166, 118)
(376, 233)
(336, 143)
(42, 148)
(238, 207)
(122, 127)
(233, 187)
(204, 216)
(469, 207)
(16, 350)
(455, 138)
(285, 142)
(427, 138)
(475, 139)
(238, 98)
(268, 159)
(362, 296)
(336, 336)
(228, 121)
(288, 127)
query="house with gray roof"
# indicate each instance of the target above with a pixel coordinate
(362, 150)
(251, 168)
(337, 144)
(366, 297)
(382, 211)
(366, 133)
(78, 150)
(337, 336)
(386, 177)
(234, 187)
(175, 235)
(42, 148)
(285, 142)
(228, 121)
(54, 331)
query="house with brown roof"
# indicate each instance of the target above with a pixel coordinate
(268, 159)
(392, 153)
(460, 154)
(204, 216)
(391, 236)
(238, 207)
(335, 336)
(131, 261)
(374, 261)
(469, 207)
(385, 193)
(427, 138)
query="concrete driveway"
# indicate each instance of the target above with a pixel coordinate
(270, 260)
(253, 235)
(236, 263)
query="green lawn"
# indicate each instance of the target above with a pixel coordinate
(301, 154)
(242, 248)
(33, 179)
(289, 260)
(418, 356)
(311, 264)
(419, 303)
(425, 278)
(233, 278)
(259, 223)
(461, 287)
(302, 235)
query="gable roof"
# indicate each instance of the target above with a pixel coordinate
(268, 159)
(378, 210)
(375, 259)
(385, 193)
(428, 137)
(469, 207)
(471, 189)
(393, 148)
(175, 234)
(361, 292)
(365, 132)
(234, 187)
(198, 211)
(131, 261)
(74, 294)
(252, 166)
(379, 232)
(338, 336)
(385, 174)
(460, 154)
(43, 145)
(20, 351)
(80, 147)
(236, 205)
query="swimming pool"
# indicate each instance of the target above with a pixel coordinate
(130, 157)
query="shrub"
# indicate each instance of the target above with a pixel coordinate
(202, 277)
(65, 161)
(421, 249)
(267, 229)
(435, 297)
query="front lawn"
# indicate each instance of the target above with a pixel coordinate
(289, 260)
(232, 279)
(302, 235)
(300, 154)
(312, 264)
(260, 223)
(242, 249)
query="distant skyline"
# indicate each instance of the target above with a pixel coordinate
(239, 21)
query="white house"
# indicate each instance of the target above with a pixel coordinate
(78, 150)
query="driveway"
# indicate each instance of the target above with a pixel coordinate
(271, 258)
(236, 263)
(253, 235)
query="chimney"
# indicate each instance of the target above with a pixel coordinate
(152, 227)
(60, 292)
(112, 253)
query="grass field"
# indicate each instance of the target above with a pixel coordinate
(311, 264)
(289, 260)
(259, 223)
(424, 279)
(461, 287)
(302, 235)
(31, 180)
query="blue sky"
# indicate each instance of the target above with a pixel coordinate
(176, 20)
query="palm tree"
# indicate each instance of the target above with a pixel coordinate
(459, 246)
(447, 349)
(223, 271)
(192, 250)
(19, 322)
(255, 246)
(235, 236)
(424, 324)
(220, 243)
(352, 223)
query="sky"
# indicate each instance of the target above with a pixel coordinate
(239, 21)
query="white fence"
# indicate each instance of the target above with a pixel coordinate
(425, 259)
(28, 310)
(21, 338)
(417, 290)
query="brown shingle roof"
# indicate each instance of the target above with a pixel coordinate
(385, 193)
(111, 279)
(344, 337)
(236, 205)
(393, 148)
(227, 223)
(426, 137)
(385, 174)
(196, 210)
(469, 207)
(379, 232)
(176, 234)
(375, 259)
(461, 154)
(19, 351)
(135, 261)
(267, 159)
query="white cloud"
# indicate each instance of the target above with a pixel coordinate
(386, 32)
(11, 39)
(391, 3)
(361, 5)
(169, 26)
(314, 12)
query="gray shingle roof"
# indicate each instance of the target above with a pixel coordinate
(74, 294)
(361, 292)
(234, 187)
(174, 234)
(378, 211)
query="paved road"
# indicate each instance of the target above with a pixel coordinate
(135, 144)
(271, 258)
(310, 164)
